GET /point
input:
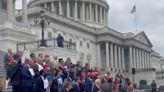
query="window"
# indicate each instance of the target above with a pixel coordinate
(88, 45)
(81, 43)
(49, 35)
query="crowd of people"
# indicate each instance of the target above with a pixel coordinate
(40, 74)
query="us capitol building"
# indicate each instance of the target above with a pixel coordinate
(88, 39)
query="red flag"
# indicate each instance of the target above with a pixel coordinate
(133, 9)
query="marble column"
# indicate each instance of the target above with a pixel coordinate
(107, 54)
(111, 55)
(140, 59)
(123, 59)
(134, 57)
(52, 7)
(10, 10)
(76, 15)
(119, 57)
(68, 9)
(98, 56)
(24, 12)
(14, 18)
(60, 8)
(101, 20)
(83, 11)
(130, 58)
(137, 58)
(96, 12)
(143, 60)
(105, 16)
(87, 13)
(45, 5)
(90, 12)
(115, 56)
(148, 60)
(146, 63)
(0, 5)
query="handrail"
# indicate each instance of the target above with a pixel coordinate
(50, 43)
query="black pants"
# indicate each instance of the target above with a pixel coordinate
(16, 88)
(27, 89)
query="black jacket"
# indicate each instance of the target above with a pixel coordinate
(15, 74)
(39, 86)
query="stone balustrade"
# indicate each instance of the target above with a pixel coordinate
(15, 26)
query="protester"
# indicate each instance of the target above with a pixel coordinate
(106, 86)
(40, 82)
(41, 74)
(15, 74)
(88, 83)
(96, 86)
(27, 76)
(59, 79)
(7, 59)
(76, 87)
(54, 86)
(67, 87)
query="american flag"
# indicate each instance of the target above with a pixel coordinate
(133, 9)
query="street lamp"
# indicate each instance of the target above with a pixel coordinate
(43, 23)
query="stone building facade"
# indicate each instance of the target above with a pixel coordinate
(83, 22)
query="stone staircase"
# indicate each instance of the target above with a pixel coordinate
(3, 76)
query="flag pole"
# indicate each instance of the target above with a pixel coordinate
(135, 19)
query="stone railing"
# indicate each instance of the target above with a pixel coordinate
(3, 15)
(18, 12)
(15, 26)
(160, 74)
(50, 43)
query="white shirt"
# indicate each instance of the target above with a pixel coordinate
(45, 82)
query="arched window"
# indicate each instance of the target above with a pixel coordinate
(81, 43)
(88, 45)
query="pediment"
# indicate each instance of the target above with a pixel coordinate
(141, 37)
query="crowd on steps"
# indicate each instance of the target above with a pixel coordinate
(40, 74)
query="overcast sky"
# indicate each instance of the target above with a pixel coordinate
(150, 18)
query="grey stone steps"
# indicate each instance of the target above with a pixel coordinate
(3, 75)
(8, 89)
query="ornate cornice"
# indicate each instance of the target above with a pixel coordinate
(63, 20)
(99, 2)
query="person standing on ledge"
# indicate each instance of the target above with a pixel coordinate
(154, 86)
(60, 41)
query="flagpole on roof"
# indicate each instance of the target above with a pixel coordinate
(133, 11)
(136, 20)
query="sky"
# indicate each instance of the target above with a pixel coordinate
(150, 19)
